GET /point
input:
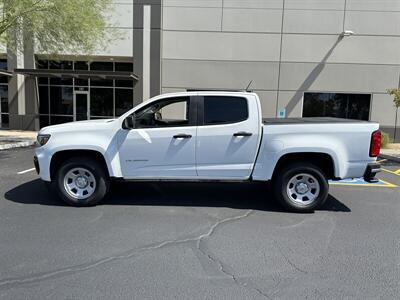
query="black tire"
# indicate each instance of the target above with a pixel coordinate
(281, 183)
(102, 181)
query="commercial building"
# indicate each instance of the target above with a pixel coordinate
(303, 57)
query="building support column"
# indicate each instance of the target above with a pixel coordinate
(147, 48)
(22, 92)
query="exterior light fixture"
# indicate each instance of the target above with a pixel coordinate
(347, 33)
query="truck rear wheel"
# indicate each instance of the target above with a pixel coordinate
(81, 182)
(301, 187)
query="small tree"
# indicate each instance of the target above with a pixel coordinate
(396, 100)
(56, 26)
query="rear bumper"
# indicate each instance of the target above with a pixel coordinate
(371, 171)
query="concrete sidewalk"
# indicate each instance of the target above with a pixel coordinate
(391, 153)
(16, 139)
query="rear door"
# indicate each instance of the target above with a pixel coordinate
(228, 136)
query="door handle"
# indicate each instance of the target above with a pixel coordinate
(242, 133)
(182, 136)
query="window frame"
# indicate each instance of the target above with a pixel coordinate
(200, 115)
(193, 109)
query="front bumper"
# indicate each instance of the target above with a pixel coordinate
(36, 163)
(371, 171)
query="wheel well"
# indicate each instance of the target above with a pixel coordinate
(61, 156)
(321, 160)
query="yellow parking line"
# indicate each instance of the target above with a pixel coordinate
(391, 172)
(382, 160)
(387, 184)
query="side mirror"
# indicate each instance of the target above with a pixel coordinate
(129, 122)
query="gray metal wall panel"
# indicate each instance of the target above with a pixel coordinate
(315, 4)
(193, 3)
(252, 20)
(292, 102)
(268, 103)
(271, 4)
(219, 74)
(221, 46)
(373, 22)
(376, 5)
(313, 21)
(353, 49)
(192, 18)
(383, 110)
(338, 77)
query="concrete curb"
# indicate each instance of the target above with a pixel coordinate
(390, 157)
(17, 144)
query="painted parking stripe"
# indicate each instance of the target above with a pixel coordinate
(26, 171)
(392, 172)
(362, 183)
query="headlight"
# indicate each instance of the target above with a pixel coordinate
(42, 139)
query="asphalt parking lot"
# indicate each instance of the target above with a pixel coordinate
(196, 241)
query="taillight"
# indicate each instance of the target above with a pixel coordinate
(376, 140)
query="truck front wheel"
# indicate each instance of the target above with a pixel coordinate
(301, 187)
(81, 182)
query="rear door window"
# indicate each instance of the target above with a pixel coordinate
(225, 110)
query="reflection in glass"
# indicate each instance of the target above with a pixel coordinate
(43, 99)
(123, 101)
(101, 66)
(101, 102)
(338, 105)
(61, 100)
(54, 120)
(4, 98)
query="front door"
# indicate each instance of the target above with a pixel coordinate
(81, 105)
(162, 143)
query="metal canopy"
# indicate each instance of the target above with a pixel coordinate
(5, 73)
(85, 74)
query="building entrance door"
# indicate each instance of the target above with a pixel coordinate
(81, 105)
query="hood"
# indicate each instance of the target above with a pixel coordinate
(79, 126)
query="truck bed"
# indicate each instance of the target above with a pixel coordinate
(315, 120)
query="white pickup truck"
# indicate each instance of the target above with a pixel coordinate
(207, 136)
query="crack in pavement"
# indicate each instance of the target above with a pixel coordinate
(238, 281)
(11, 282)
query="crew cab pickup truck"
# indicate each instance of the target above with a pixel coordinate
(207, 136)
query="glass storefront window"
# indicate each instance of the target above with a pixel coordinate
(4, 98)
(101, 102)
(102, 66)
(338, 105)
(125, 67)
(43, 99)
(44, 120)
(123, 101)
(3, 66)
(60, 65)
(4, 121)
(106, 101)
(42, 65)
(61, 100)
(81, 65)
(54, 120)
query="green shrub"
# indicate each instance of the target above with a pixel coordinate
(385, 140)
